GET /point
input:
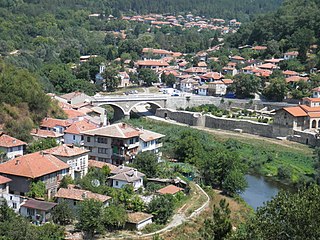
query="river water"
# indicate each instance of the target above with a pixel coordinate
(259, 191)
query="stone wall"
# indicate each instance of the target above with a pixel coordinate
(190, 118)
(245, 126)
(304, 138)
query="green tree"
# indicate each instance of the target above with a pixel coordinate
(66, 180)
(148, 76)
(235, 183)
(111, 77)
(114, 217)
(169, 80)
(147, 163)
(70, 55)
(90, 217)
(37, 189)
(276, 90)
(41, 144)
(49, 231)
(62, 214)
(219, 227)
(245, 85)
(161, 207)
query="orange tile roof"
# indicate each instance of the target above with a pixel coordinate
(310, 109)
(195, 70)
(317, 89)
(8, 141)
(153, 63)
(118, 130)
(45, 133)
(53, 122)
(71, 113)
(99, 164)
(170, 189)
(268, 66)
(296, 79)
(65, 150)
(227, 81)
(314, 114)
(78, 127)
(290, 73)
(259, 48)
(4, 179)
(296, 111)
(33, 165)
(237, 58)
(80, 195)
(213, 75)
(147, 135)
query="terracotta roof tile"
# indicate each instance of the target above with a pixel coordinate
(33, 165)
(78, 127)
(296, 111)
(72, 113)
(45, 133)
(170, 189)
(99, 164)
(118, 130)
(65, 150)
(152, 63)
(147, 135)
(80, 195)
(8, 141)
(4, 179)
(52, 122)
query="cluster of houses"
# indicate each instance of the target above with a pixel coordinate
(81, 144)
(187, 21)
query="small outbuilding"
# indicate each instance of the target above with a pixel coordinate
(138, 220)
(39, 211)
(170, 189)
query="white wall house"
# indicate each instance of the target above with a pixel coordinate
(11, 146)
(150, 141)
(75, 157)
(39, 211)
(73, 134)
(126, 175)
(12, 200)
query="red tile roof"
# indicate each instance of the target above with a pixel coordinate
(4, 179)
(65, 150)
(71, 113)
(118, 130)
(33, 165)
(296, 79)
(317, 89)
(52, 122)
(296, 111)
(8, 141)
(80, 195)
(99, 164)
(153, 63)
(170, 189)
(78, 127)
(45, 133)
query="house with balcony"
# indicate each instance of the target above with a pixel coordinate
(10, 146)
(34, 167)
(117, 143)
(38, 211)
(75, 157)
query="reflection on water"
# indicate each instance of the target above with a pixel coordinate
(259, 191)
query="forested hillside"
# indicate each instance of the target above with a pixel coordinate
(228, 9)
(295, 25)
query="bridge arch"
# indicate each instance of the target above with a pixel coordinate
(118, 111)
(154, 105)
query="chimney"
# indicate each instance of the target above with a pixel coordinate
(135, 172)
(121, 166)
(123, 125)
(42, 153)
(17, 162)
(84, 195)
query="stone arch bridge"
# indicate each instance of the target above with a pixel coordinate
(123, 105)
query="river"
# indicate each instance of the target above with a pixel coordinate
(259, 191)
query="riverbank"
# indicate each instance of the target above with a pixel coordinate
(284, 161)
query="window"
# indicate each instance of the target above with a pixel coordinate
(117, 183)
(103, 150)
(30, 211)
(88, 139)
(74, 137)
(102, 140)
(102, 159)
(145, 144)
(14, 205)
(81, 137)
(131, 141)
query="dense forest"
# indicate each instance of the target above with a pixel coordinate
(227, 9)
(295, 25)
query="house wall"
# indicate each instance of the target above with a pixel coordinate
(93, 145)
(12, 152)
(73, 139)
(141, 225)
(13, 201)
(76, 162)
(19, 185)
(136, 184)
(45, 216)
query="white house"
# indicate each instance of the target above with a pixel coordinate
(12, 200)
(126, 175)
(188, 85)
(11, 146)
(73, 135)
(75, 157)
(138, 220)
(55, 125)
(150, 141)
(203, 90)
(290, 55)
(39, 211)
